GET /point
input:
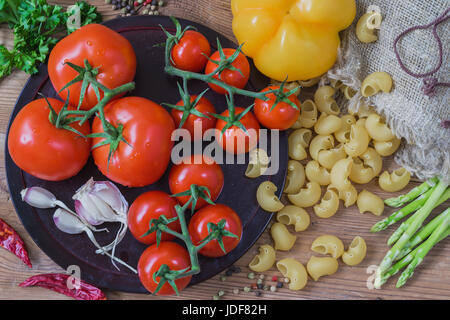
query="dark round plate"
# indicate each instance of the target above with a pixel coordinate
(151, 82)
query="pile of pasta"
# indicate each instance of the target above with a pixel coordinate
(329, 153)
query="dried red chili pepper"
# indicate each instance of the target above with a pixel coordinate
(11, 241)
(58, 282)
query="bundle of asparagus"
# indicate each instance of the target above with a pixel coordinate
(409, 244)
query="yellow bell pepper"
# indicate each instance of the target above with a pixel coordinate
(298, 39)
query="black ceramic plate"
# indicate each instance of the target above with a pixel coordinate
(151, 82)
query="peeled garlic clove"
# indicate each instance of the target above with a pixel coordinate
(38, 197)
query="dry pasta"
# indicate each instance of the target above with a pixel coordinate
(328, 244)
(264, 260)
(282, 238)
(293, 215)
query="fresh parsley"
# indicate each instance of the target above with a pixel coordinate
(36, 25)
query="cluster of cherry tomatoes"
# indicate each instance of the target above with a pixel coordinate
(193, 53)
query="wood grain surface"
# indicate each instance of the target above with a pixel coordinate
(431, 279)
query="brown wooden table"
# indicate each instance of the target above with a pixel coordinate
(431, 280)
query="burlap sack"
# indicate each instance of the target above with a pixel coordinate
(411, 114)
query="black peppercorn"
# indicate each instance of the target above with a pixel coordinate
(235, 269)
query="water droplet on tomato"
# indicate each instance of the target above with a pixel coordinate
(89, 43)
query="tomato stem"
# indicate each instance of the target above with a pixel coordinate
(215, 232)
(225, 63)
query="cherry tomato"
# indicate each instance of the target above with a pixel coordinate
(234, 139)
(282, 117)
(199, 170)
(204, 106)
(169, 253)
(151, 205)
(41, 149)
(191, 52)
(104, 49)
(231, 77)
(147, 128)
(198, 228)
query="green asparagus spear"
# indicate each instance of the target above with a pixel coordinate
(404, 262)
(419, 217)
(403, 212)
(427, 245)
(411, 195)
(422, 235)
(398, 233)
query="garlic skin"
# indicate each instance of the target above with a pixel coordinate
(101, 201)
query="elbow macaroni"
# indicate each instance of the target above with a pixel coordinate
(328, 244)
(306, 197)
(348, 92)
(309, 83)
(395, 181)
(282, 238)
(376, 82)
(358, 142)
(327, 124)
(297, 142)
(340, 173)
(308, 117)
(356, 252)
(377, 129)
(265, 195)
(319, 143)
(327, 158)
(347, 121)
(373, 160)
(323, 266)
(295, 178)
(369, 202)
(323, 97)
(328, 206)
(258, 163)
(386, 148)
(314, 172)
(366, 25)
(348, 195)
(360, 173)
(295, 271)
(293, 215)
(264, 260)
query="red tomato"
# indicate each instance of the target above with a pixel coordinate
(170, 253)
(234, 139)
(41, 149)
(151, 205)
(198, 229)
(282, 117)
(202, 171)
(147, 127)
(232, 77)
(104, 49)
(204, 106)
(191, 52)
